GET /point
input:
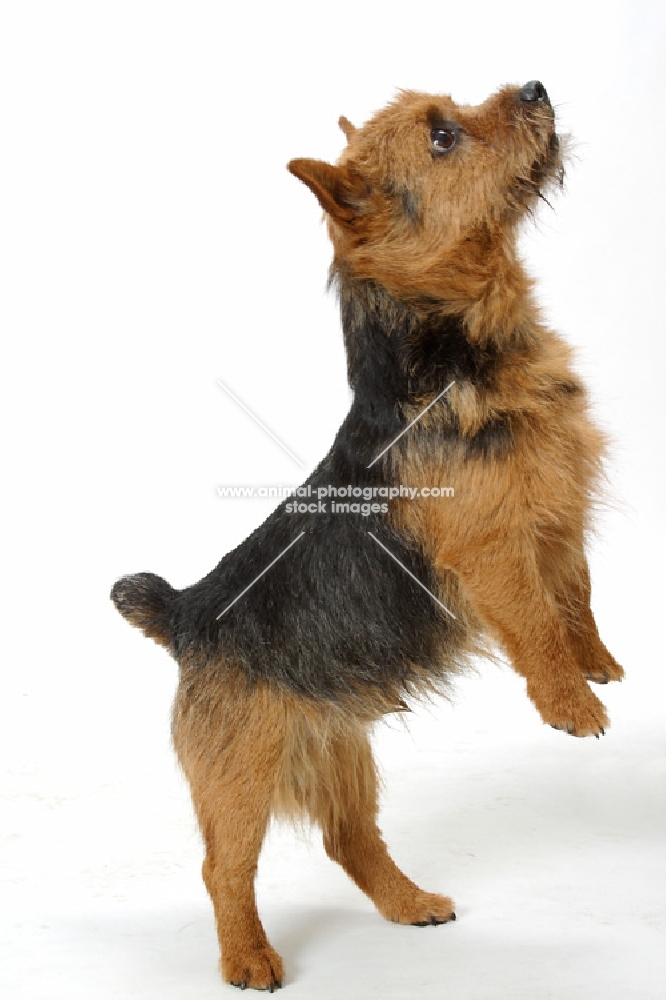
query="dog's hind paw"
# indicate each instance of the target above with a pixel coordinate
(259, 969)
(421, 909)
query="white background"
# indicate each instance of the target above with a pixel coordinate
(152, 242)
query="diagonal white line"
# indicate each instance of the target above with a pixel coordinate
(263, 426)
(414, 578)
(258, 577)
(410, 425)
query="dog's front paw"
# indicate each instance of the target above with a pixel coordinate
(605, 668)
(258, 969)
(579, 715)
(421, 909)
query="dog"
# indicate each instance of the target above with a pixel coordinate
(325, 620)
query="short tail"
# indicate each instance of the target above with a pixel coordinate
(147, 602)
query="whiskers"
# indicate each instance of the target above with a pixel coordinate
(546, 172)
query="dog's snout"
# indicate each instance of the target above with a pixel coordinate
(534, 92)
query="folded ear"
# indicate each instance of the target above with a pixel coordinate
(340, 190)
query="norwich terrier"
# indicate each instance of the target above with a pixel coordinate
(326, 619)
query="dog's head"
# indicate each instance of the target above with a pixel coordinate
(428, 191)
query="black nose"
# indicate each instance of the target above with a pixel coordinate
(533, 91)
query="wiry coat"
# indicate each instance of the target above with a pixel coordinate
(278, 688)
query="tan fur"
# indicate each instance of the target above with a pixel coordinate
(509, 550)
(463, 251)
(515, 535)
(251, 751)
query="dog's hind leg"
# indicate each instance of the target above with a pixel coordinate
(346, 806)
(233, 773)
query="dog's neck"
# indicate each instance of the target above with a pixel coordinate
(478, 282)
(405, 352)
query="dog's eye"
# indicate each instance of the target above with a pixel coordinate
(443, 138)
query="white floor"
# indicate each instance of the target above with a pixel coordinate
(552, 847)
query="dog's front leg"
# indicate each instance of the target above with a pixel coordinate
(505, 585)
(566, 573)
